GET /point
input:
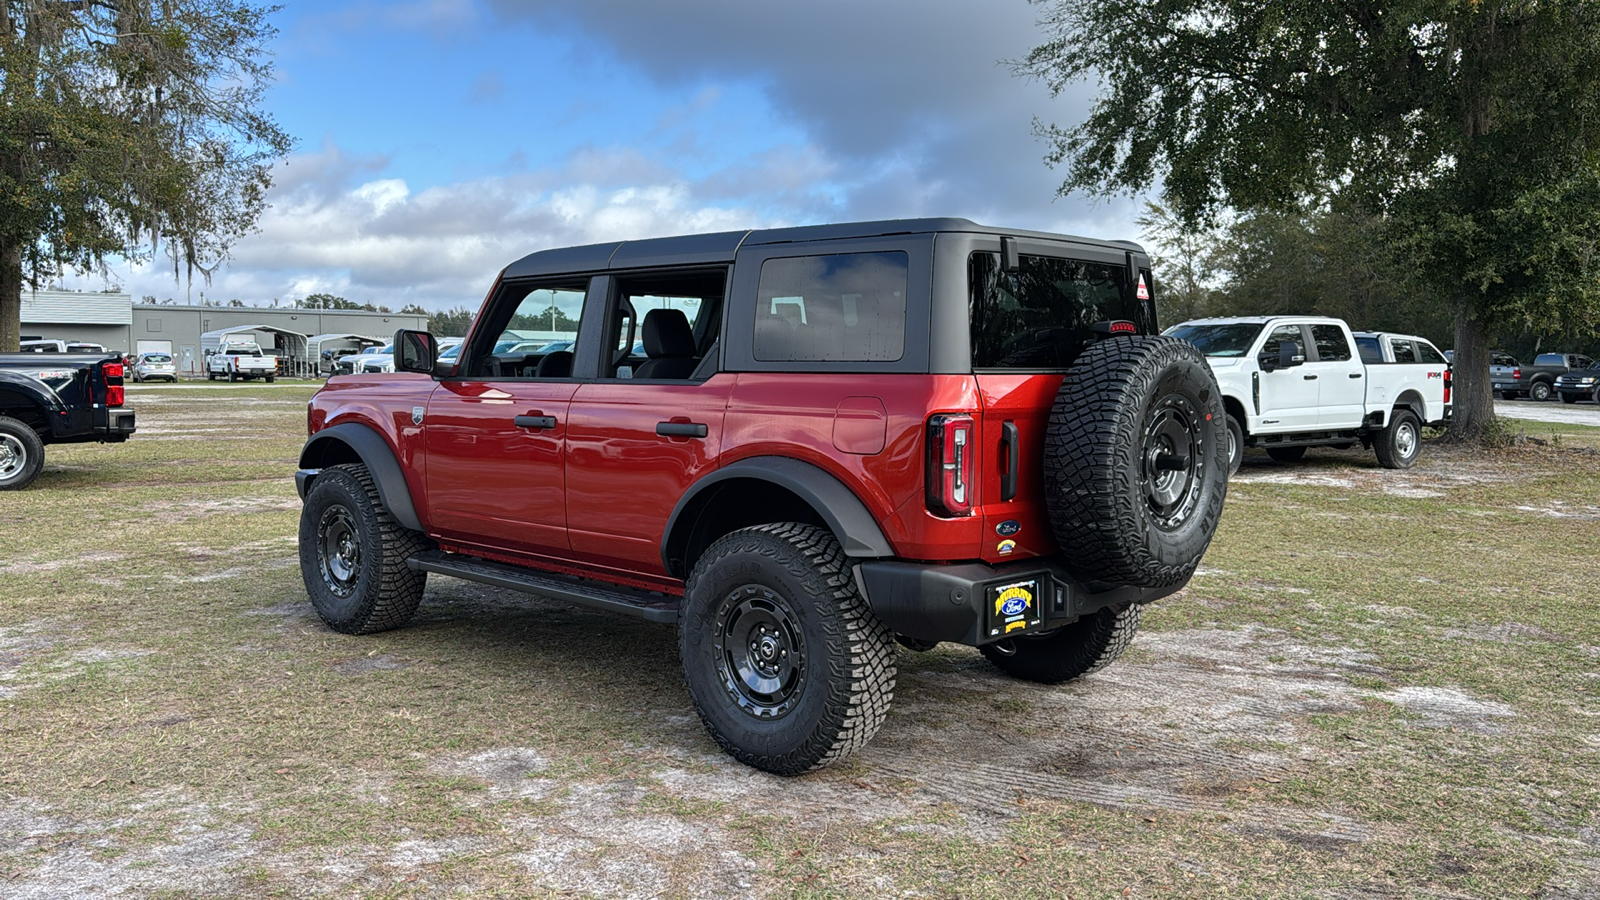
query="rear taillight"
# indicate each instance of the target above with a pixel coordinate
(952, 445)
(112, 372)
(1447, 385)
(1516, 373)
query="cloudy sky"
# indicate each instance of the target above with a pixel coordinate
(438, 140)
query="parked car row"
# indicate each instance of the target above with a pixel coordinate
(1511, 379)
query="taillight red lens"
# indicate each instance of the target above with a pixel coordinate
(1516, 373)
(1447, 385)
(952, 445)
(112, 373)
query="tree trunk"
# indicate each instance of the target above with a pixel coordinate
(1473, 417)
(10, 296)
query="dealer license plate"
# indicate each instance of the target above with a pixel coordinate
(1014, 608)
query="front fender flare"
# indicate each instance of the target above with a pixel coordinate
(376, 455)
(847, 517)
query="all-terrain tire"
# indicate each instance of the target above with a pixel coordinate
(1136, 461)
(353, 554)
(1540, 391)
(1071, 651)
(1287, 454)
(1235, 446)
(21, 454)
(1398, 445)
(787, 665)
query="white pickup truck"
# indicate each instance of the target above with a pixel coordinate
(241, 359)
(1292, 382)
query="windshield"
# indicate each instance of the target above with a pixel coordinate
(1218, 339)
(451, 352)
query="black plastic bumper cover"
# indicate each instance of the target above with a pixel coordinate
(934, 602)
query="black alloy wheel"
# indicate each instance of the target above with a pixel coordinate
(339, 550)
(1173, 471)
(760, 651)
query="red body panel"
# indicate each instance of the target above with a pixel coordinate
(781, 415)
(1025, 401)
(383, 404)
(623, 479)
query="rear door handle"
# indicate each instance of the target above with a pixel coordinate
(681, 429)
(1355, 374)
(1309, 377)
(1008, 478)
(535, 422)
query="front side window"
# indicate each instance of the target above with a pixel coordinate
(1403, 351)
(1222, 340)
(523, 325)
(1039, 316)
(1281, 335)
(844, 307)
(1331, 343)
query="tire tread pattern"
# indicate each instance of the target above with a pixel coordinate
(1091, 448)
(861, 677)
(398, 592)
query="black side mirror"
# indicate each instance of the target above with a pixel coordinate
(1290, 354)
(414, 351)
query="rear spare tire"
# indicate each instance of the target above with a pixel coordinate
(1136, 462)
(21, 454)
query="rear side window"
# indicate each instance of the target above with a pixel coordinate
(1429, 353)
(1039, 316)
(844, 307)
(1403, 352)
(1370, 351)
(1331, 343)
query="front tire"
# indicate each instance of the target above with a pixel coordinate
(788, 668)
(1287, 454)
(1235, 446)
(353, 554)
(1568, 398)
(21, 454)
(1398, 445)
(1071, 651)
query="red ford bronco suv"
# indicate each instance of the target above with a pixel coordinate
(835, 438)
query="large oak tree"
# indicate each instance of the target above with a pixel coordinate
(128, 128)
(1470, 127)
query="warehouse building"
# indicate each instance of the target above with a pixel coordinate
(114, 321)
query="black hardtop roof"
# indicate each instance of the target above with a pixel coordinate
(720, 247)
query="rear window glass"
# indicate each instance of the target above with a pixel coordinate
(1403, 352)
(844, 307)
(1370, 351)
(1429, 353)
(158, 358)
(1039, 316)
(1331, 343)
(1549, 359)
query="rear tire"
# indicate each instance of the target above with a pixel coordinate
(1136, 461)
(1398, 445)
(789, 669)
(353, 554)
(1287, 454)
(1540, 391)
(21, 454)
(1071, 651)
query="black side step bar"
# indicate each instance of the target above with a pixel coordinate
(647, 605)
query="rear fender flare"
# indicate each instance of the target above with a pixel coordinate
(376, 455)
(846, 516)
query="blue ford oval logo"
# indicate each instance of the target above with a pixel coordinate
(1015, 606)
(1008, 528)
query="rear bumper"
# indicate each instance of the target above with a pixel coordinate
(99, 425)
(934, 602)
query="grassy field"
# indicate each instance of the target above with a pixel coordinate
(1380, 684)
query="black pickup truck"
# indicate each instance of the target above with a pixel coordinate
(56, 398)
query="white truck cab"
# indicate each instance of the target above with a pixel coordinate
(241, 359)
(1292, 382)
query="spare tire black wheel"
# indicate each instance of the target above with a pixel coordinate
(1136, 462)
(21, 454)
